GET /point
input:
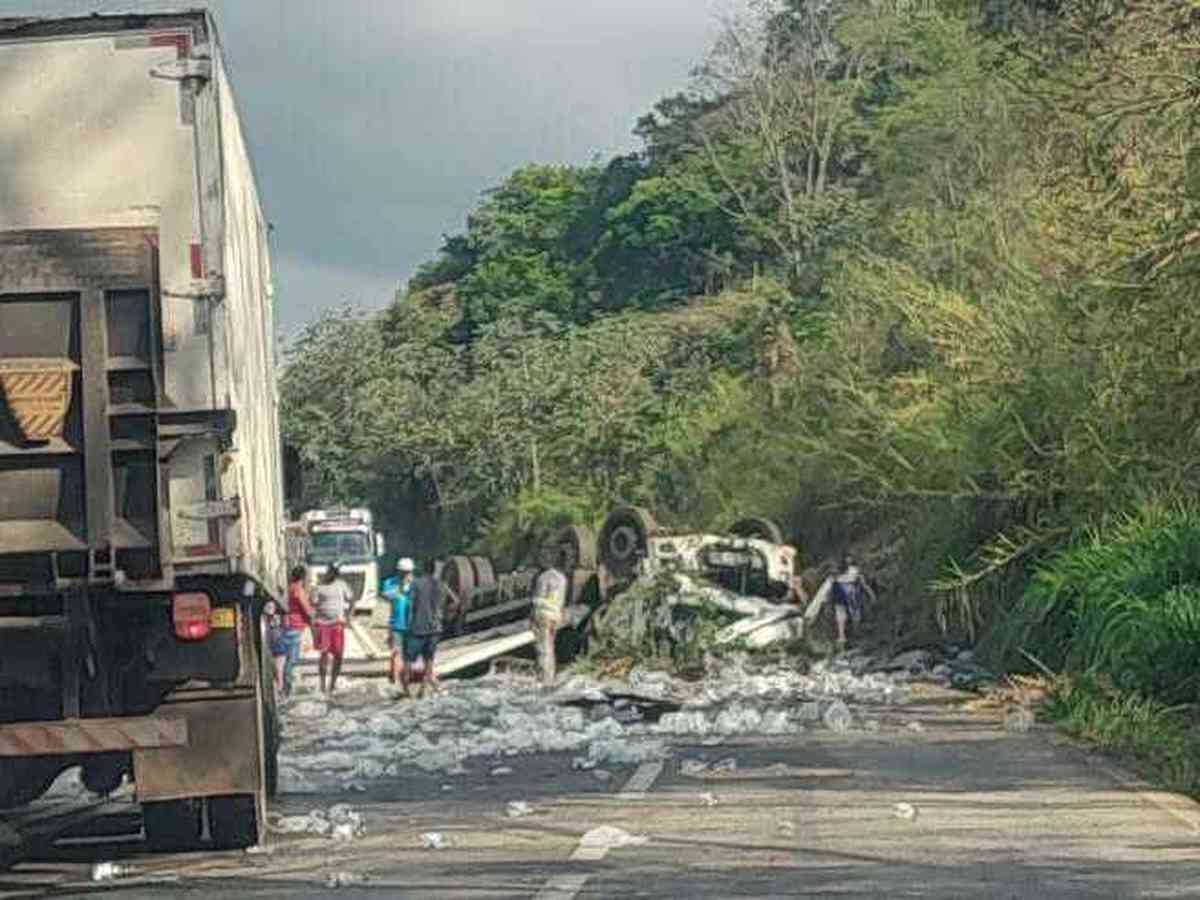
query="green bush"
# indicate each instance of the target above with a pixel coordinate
(1123, 601)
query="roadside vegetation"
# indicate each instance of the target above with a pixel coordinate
(916, 278)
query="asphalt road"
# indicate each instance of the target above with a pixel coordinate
(997, 815)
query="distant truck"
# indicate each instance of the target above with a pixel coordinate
(141, 491)
(348, 537)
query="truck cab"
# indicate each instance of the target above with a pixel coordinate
(347, 537)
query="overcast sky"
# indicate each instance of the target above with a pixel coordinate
(375, 124)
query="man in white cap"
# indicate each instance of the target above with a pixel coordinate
(398, 591)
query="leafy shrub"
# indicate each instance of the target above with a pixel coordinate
(1123, 601)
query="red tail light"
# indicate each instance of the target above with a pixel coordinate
(190, 615)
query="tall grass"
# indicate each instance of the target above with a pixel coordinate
(1122, 602)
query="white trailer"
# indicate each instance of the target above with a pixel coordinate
(141, 492)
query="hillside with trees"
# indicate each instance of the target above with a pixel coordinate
(911, 277)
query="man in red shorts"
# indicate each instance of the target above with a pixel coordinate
(332, 603)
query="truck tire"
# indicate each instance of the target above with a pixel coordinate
(624, 538)
(485, 573)
(173, 826)
(460, 577)
(232, 821)
(757, 527)
(579, 542)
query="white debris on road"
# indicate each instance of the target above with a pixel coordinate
(366, 735)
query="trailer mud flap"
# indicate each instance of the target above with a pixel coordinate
(222, 755)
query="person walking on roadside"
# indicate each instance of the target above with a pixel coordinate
(333, 604)
(549, 598)
(845, 590)
(398, 591)
(847, 593)
(299, 619)
(424, 626)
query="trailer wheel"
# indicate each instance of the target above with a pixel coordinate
(579, 543)
(484, 572)
(460, 578)
(233, 822)
(625, 537)
(757, 527)
(173, 826)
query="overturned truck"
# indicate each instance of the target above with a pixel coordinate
(141, 509)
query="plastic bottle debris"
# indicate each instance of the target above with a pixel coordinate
(518, 809)
(787, 828)
(708, 798)
(916, 727)
(344, 879)
(837, 717)
(583, 763)
(1018, 719)
(692, 768)
(501, 770)
(434, 840)
(259, 850)
(108, 871)
(724, 766)
(904, 811)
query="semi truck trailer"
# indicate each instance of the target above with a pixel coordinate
(141, 507)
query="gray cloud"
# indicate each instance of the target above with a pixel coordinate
(375, 125)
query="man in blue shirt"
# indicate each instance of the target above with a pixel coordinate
(398, 592)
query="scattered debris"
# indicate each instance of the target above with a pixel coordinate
(602, 775)
(708, 799)
(344, 879)
(692, 768)
(1018, 719)
(787, 828)
(517, 809)
(905, 811)
(837, 717)
(434, 840)
(916, 727)
(724, 766)
(501, 770)
(108, 871)
(259, 850)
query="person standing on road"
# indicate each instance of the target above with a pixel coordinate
(299, 620)
(277, 641)
(549, 599)
(424, 626)
(333, 604)
(398, 591)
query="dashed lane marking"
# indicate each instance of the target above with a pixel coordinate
(567, 887)
(639, 782)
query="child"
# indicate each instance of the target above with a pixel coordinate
(278, 643)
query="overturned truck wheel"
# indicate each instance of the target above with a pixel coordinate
(578, 543)
(459, 576)
(757, 527)
(624, 539)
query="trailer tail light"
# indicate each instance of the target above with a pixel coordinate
(190, 614)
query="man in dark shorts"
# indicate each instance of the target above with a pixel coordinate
(424, 625)
(332, 601)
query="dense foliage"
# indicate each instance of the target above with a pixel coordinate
(914, 275)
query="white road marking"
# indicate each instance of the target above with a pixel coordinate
(593, 846)
(639, 782)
